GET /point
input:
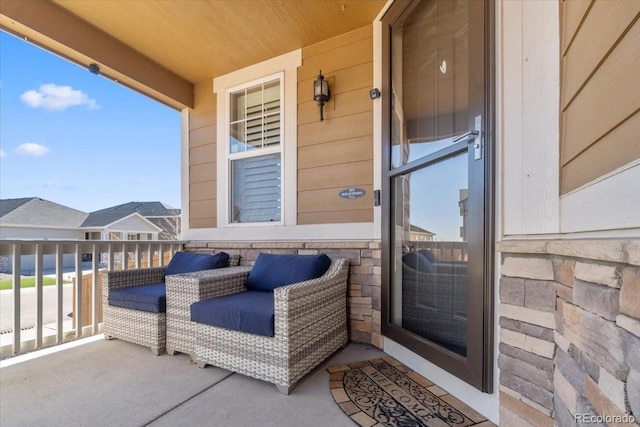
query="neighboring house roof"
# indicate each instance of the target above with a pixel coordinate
(34, 211)
(148, 209)
(417, 229)
(99, 220)
(37, 212)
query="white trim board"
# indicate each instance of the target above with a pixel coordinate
(610, 203)
(314, 232)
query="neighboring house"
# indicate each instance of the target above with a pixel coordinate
(420, 234)
(34, 218)
(513, 124)
(163, 216)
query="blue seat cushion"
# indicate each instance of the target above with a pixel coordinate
(274, 270)
(150, 298)
(250, 311)
(187, 262)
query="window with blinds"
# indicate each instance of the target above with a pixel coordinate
(255, 153)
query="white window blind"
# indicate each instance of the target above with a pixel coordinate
(256, 189)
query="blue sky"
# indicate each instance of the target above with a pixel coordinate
(78, 139)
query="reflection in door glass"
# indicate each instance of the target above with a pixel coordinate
(431, 253)
(430, 79)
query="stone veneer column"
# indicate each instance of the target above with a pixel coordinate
(364, 285)
(570, 332)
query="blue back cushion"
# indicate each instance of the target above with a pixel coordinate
(187, 262)
(417, 261)
(145, 298)
(250, 311)
(272, 270)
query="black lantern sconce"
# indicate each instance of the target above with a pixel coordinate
(321, 92)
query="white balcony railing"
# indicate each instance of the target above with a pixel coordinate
(38, 317)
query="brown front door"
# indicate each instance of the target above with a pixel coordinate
(437, 182)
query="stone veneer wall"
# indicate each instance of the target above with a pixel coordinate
(364, 297)
(570, 332)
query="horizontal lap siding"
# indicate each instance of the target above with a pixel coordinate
(338, 153)
(600, 91)
(202, 158)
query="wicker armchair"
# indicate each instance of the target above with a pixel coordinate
(310, 323)
(146, 326)
(136, 326)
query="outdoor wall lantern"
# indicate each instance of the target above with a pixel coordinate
(321, 92)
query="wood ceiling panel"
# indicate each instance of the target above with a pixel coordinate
(199, 40)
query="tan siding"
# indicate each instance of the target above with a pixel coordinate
(337, 217)
(327, 200)
(202, 213)
(337, 153)
(202, 118)
(601, 90)
(202, 136)
(604, 156)
(606, 22)
(357, 77)
(201, 173)
(336, 176)
(342, 57)
(342, 104)
(202, 191)
(337, 129)
(202, 158)
(202, 154)
(573, 12)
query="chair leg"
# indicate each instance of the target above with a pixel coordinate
(157, 351)
(284, 389)
(170, 351)
(200, 363)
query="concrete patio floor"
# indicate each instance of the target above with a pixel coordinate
(107, 383)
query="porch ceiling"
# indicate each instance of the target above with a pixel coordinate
(190, 41)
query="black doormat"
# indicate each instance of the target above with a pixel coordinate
(383, 392)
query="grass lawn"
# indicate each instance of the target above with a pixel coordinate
(28, 282)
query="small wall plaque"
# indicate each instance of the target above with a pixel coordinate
(352, 193)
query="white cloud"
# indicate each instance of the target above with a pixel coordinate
(32, 149)
(51, 96)
(2, 154)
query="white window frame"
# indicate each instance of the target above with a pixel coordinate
(279, 149)
(285, 65)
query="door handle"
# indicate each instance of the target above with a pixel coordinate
(466, 135)
(477, 145)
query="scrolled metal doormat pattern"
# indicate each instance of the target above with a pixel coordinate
(383, 392)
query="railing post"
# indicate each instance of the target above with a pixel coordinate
(110, 255)
(77, 310)
(60, 289)
(17, 253)
(94, 281)
(39, 295)
(125, 257)
(137, 255)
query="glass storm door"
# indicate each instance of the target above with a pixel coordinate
(436, 186)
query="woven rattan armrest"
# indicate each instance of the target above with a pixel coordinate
(201, 285)
(135, 277)
(312, 299)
